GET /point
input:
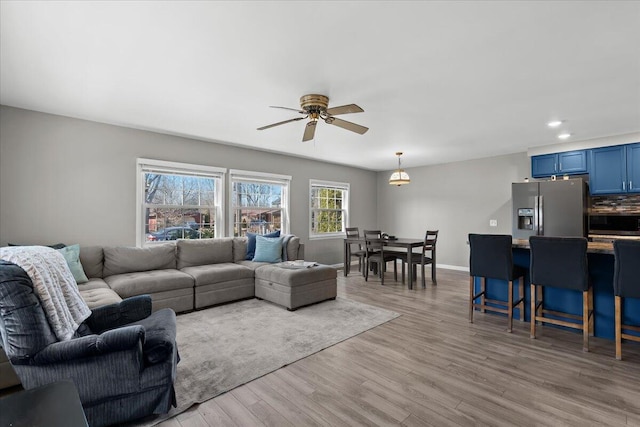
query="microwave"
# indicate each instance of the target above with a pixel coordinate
(615, 224)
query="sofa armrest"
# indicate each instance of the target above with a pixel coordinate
(91, 345)
(119, 314)
(301, 251)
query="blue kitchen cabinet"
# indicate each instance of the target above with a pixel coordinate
(608, 171)
(633, 168)
(545, 165)
(572, 162)
(567, 163)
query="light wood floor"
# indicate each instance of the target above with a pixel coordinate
(431, 367)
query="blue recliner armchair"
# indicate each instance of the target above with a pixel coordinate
(122, 360)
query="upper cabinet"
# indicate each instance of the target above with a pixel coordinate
(633, 168)
(567, 163)
(615, 170)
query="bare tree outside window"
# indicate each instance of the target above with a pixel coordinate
(257, 207)
(178, 206)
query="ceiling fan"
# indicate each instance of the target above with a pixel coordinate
(314, 107)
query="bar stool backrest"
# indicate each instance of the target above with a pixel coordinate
(491, 256)
(626, 275)
(559, 262)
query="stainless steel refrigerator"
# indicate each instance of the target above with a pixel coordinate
(550, 208)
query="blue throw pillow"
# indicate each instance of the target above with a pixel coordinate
(268, 249)
(251, 242)
(71, 254)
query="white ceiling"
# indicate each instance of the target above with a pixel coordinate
(441, 81)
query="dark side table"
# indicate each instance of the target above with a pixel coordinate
(52, 405)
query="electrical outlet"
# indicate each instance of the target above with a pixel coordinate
(493, 223)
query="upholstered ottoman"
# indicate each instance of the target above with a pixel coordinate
(294, 288)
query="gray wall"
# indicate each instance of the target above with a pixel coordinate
(74, 181)
(455, 198)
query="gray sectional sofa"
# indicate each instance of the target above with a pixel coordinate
(183, 275)
(194, 274)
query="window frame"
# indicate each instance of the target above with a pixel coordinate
(266, 178)
(346, 188)
(162, 166)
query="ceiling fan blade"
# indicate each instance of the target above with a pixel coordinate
(281, 123)
(346, 125)
(344, 109)
(287, 108)
(309, 131)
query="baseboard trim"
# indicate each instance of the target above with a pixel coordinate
(453, 267)
(340, 266)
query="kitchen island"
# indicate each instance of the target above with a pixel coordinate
(601, 264)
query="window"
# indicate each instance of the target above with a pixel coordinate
(178, 201)
(259, 202)
(329, 209)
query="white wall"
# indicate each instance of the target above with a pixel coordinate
(455, 198)
(73, 181)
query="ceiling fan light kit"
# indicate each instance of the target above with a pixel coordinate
(399, 176)
(315, 107)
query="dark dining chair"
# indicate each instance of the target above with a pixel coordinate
(561, 262)
(376, 256)
(626, 284)
(426, 256)
(492, 257)
(353, 232)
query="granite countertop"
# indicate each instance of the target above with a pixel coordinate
(592, 247)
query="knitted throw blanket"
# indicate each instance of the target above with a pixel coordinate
(54, 285)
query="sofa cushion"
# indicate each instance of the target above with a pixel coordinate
(92, 259)
(252, 264)
(93, 283)
(71, 254)
(217, 273)
(299, 277)
(268, 249)
(239, 249)
(122, 259)
(292, 247)
(148, 282)
(202, 252)
(251, 242)
(97, 297)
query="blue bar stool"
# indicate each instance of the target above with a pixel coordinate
(626, 284)
(492, 257)
(561, 262)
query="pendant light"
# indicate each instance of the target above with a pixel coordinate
(399, 176)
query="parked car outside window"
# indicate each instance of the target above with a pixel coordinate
(173, 233)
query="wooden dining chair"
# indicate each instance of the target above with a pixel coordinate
(426, 256)
(376, 256)
(359, 253)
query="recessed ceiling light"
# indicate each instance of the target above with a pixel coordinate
(554, 123)
(564, 135)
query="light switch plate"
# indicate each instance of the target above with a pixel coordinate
(493, 223)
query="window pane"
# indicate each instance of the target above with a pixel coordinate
(163, 224)
(176, 190)
(258, 207)
(328, 209)
(178, 206)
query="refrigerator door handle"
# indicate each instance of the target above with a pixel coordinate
(536, 220)
(540, 216)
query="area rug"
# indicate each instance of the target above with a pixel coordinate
(224, 347)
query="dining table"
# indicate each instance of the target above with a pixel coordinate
(400, 242)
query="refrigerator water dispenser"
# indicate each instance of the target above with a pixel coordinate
(525, 219)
